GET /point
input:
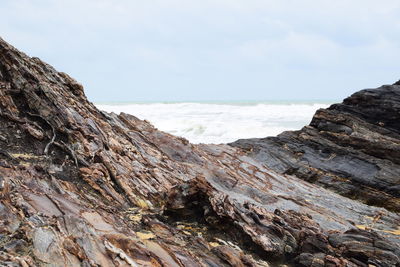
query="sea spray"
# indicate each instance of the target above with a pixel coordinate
(221, 122)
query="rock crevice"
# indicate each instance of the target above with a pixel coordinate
(352, 148)
(81, 187)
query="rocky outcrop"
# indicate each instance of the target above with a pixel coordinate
(352, 148)
(81, 187)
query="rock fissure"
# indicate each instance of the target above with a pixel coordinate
(81, 187)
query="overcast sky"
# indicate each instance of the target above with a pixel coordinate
(184, 50)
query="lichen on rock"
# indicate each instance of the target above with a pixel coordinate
(82, 187)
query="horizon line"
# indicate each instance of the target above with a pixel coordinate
(218, 101)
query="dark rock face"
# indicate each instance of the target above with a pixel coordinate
(81, 187)
(352, 148)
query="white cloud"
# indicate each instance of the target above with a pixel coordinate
(292, 48)
(210, 43)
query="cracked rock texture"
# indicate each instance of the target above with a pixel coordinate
(352, 148)
(81, 187)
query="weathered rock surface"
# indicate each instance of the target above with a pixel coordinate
(352, 148)
(81, 187)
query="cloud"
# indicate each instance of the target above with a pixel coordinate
(291, 48)
(211, 49)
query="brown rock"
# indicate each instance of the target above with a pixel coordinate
(104, 189)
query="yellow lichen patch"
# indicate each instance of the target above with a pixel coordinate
(369, 218)
(24, 156)
(143, 204)
(145, 235)
(362, 227)
(189, 227)
(214, 244)
(186, 233)
(25, 164)
(394, 232)
(135, 218)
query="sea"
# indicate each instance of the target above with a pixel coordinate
(222, 122)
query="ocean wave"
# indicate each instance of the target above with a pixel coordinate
(221, 122)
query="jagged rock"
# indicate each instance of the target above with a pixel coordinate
(100, 189)
(352, 148)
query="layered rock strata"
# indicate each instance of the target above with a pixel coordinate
(81, 187)
(352, 148)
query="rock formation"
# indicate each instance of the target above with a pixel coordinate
(81, 187)
(352, 148)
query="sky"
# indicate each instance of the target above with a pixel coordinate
(211, 50)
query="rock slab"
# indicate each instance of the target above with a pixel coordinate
(81, 187)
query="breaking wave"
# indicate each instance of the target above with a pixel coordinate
(221, 122)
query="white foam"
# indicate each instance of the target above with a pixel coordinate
(221, 123)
